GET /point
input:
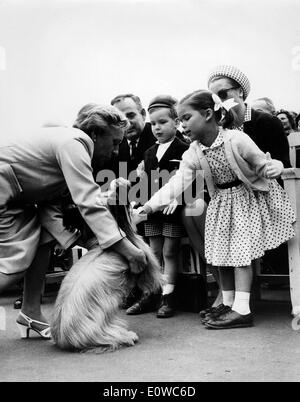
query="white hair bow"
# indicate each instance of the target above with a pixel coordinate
(227, 104)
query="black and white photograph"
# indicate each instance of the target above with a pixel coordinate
(149, 194)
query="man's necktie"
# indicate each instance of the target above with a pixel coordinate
(133, 145)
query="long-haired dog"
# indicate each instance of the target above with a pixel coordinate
(86, 312)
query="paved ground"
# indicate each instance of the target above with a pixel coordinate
(175, 349)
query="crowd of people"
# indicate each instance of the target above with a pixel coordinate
(245, 211)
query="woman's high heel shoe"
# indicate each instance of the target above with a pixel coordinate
(25, 328)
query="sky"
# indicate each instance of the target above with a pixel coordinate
(56, 56)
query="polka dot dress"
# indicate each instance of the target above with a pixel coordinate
(241, 223)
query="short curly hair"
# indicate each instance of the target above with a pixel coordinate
(93, 118)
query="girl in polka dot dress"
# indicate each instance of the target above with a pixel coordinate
(249, 212)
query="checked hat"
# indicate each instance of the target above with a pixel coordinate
(235, 74)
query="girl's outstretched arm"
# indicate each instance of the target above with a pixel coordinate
(177, 184)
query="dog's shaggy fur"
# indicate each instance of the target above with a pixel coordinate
(87, 306)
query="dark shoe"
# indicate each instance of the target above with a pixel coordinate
(166, 308)
(217, 312)
(144, 305)
(131, 298)
(203, 313)
(231, 319)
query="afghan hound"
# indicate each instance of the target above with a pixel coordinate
(86, 312)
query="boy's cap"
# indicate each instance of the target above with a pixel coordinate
(163, 101)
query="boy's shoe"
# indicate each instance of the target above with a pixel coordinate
(217, 312)
(145, 304)
(229, 320)
(131, 298)
(166, 308)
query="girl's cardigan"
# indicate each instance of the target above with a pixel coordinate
(247, 161)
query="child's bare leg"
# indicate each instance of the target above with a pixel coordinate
(156, 244)
(243, 279)
(170, 255)
(216, 275)
(227, 284)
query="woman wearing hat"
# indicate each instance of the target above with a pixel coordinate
(229, 82)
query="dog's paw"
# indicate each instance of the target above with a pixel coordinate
(133, 337)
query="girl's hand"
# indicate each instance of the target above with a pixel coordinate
(140, 170)
(138, 216)
(144, 210)
(274, 167)
(119, 183)
(110, 197)
(170, 208)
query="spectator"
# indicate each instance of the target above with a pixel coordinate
(297, 121)
(229, 82)
(139, 136)
(287, 121)
(264, 105)
(164, 230)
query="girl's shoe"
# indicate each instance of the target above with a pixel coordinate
(209, 310)
(32, 324)
(231, 319)
(217, 312)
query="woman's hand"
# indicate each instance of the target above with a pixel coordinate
(136, 258)
(274, 167)
(137, 262)
(170, 208)
(119, 183)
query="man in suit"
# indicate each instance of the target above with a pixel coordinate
(137, 140)
(139, 136)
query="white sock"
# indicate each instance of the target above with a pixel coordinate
(168, 288)
(228, 297)
(241, 303)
